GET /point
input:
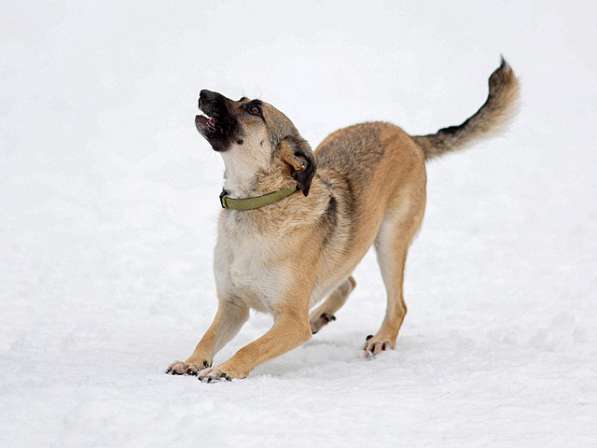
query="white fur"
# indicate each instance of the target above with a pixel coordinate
(243, 264)
(243, 162)
(244, 269)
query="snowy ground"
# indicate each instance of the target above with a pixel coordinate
(109, 203)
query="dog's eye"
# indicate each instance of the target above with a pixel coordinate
(253, 110)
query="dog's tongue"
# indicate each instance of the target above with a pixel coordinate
(202, 120)
(206, 122)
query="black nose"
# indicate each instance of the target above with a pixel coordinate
(207, 96)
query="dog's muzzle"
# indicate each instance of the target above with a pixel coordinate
(218, 125)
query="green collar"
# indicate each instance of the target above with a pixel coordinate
(257, 201)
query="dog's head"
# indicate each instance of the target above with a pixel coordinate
(252, 135)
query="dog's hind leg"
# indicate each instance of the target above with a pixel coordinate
(398, 228)
(325, 313)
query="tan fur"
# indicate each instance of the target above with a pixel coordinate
(324, 313)
(369, 189)
(499, 108)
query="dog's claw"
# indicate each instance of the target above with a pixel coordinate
(321, 321)
(184, 368)
(328, 317)
(213, 375)
(376, 344)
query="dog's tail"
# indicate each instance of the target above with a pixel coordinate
(492, 117)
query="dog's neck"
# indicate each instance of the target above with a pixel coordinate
(240, 182)
(239, 185)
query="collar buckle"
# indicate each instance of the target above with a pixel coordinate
(223, 198)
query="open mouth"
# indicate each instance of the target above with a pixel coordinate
(206, 124)
(216, 123)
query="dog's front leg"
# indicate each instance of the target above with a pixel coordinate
(229, 318)
(291, 329)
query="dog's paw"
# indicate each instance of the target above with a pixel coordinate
(213, 374)
(321, 321)
(187, 368)
(226, 371)
(377, 344)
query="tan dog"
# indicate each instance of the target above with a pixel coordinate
(283, 253)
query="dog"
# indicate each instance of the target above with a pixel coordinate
(295, 223)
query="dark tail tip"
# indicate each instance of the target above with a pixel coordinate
(501, 76)
(504, 65)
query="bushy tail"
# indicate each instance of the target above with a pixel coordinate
(492, 117)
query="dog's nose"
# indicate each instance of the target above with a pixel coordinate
(208, 99)
(207, 96)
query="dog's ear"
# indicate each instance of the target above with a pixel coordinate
(297, 154)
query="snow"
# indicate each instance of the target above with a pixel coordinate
(109, 202)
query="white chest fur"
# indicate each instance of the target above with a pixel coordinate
(245, 266)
